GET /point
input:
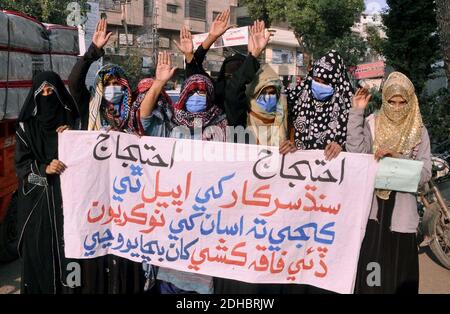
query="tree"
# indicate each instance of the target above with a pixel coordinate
(412, 42)
(319, 25)
(443, 21)
(436, 116)
(47, 11)
(131, 63)
(374, 40)
(351, 47)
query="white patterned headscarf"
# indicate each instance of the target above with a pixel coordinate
(317, 123)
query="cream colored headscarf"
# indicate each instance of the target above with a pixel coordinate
(398, 130)
(269, 128)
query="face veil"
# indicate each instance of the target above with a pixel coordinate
(398, 129)
(42, 115)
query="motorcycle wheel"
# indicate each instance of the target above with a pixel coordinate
(440, 245)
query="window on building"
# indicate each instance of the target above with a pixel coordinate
(215, 14)
(244, 21)
(148, 8)
(172, 8)
(110, 5)
(195, 9)
(125, 40)
(282, 56)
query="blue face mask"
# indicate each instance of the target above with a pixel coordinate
(113, 94)
(267, 102)
(321, 91)
(196, 103)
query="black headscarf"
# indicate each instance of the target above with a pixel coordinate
(230, 65)
(42, 115)
(318, 123)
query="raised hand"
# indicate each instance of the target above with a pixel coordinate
(186, 46)
(164, 69)
(220, 24)
(258, 38)
(100, 37)
(361, 98)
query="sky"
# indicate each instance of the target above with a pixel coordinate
(373, 6)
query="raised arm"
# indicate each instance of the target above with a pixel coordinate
(79, 72)
(359, 137)
(186, 46)
(218, 28)
(194, 61)
(236, 101)
(164, 72)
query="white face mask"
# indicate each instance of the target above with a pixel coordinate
(113, 94)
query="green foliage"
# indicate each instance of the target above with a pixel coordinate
(351, 47)
(46, 11)
(412, 43)
(132, 64)
(435, 111)
(375, 101)
(319, 24)
(374, 40)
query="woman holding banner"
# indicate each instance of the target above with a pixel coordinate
(110, 107)
(48, 110)
(395, 131)
(318, 113)
(319, 106)
(256, 102)
(194, 116)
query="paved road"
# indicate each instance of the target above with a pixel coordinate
(10, 278)
(433, 277)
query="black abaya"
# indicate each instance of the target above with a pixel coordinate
(395, 253)
(40, 215)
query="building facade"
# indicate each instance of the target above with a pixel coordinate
(283, 53)
(153, 25)
(361, 27)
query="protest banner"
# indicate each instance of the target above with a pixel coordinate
(237, 211)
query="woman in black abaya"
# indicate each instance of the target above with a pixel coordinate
(48, 109)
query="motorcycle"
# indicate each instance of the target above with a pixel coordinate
(434, 211)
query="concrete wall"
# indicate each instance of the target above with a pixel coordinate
(134, 16)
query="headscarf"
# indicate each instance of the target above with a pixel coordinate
(230, 65)
(401, 130)
(269, 128)
(163, 108)
(102, 113)
(318, 123)
(212, 116)
(42, 115)
(398, 130)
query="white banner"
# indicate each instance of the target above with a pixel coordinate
(227, 210)
(232, 37)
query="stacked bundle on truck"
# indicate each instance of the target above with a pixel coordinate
(28, 47)
(64, 48)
